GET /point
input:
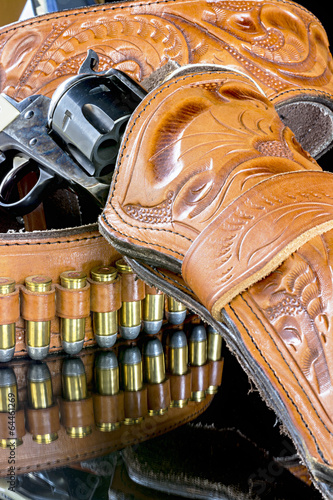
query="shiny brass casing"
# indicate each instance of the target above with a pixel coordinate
(40, 395)
(132, 375)
(9, 403)
(107, 383)
(130, 313)
(198, 355)
(105, 324)
(74, 388)
(214, 345)
(72, 330)
(153, 307)
(107, 379)
(155, 369)
(214, 352)
(178, 361)
(153, 313)
(38, 333)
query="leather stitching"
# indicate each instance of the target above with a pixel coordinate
(326, 94)
(126, 6)
(138, 239)
(276, 375)
(171, 280)
(33, 243)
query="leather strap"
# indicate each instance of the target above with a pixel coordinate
(159, 395)
(215, 372)
(136, 38)
(37, 306)
(255, 233)
(109, 408)
(50, 253)
(180, 386)
(43, 420)
(73, 303)
(15, 431)
(105, 297)
(9, 308)
(132, 289)
(77, 413)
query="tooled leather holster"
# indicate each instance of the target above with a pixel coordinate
(232, 211)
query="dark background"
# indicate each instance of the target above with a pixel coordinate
(322, 9)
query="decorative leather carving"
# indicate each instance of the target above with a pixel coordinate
(279, 44)
(297, 300)
(208, 149)
(236, 198)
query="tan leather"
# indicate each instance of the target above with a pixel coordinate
(105, 297)
(236, 199)
(9, 308)
(110, 406)
(51, 253)
(231, 185)
(94, 409)
(42, 421)
(180, 386)
(73, 303)
(38, 306)
(289, 60)
(132, 289)
(280, 44)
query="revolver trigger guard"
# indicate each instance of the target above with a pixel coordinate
(32, 199)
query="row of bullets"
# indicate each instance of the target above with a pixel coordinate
(118, 303)
(128, 384)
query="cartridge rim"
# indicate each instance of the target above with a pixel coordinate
(45, 438)
(212, 389)
(7, 285)
(123, 267)
(108, 426)
(79, 432)
(6, 443)
(133, 421)
(38, 283)
(103, 273)
(73, 279)
(198, 396)
(159, 411)
(179, 403)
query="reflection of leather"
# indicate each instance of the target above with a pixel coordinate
(280, 44)
(90, 411)
(280, 326)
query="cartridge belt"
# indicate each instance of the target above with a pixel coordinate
(45, 313)
(64, 409)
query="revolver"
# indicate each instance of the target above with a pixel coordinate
(71, 138)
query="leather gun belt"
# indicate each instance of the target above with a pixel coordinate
(213, 202)
(279, 44)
